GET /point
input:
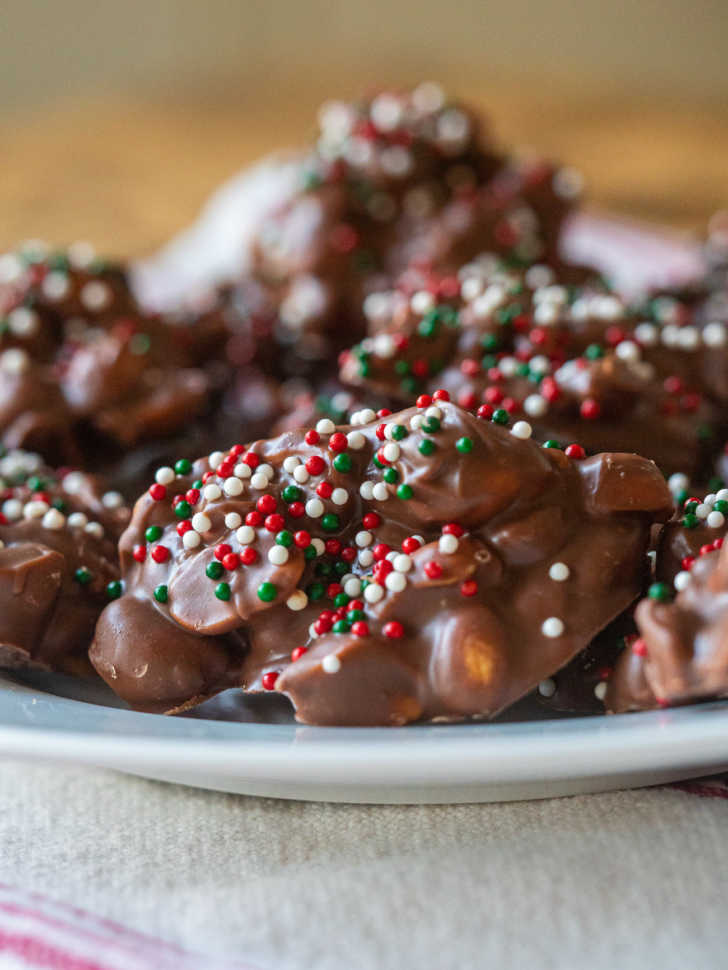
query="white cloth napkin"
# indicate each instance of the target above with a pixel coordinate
(627, 879)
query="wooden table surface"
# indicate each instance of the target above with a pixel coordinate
(126, 174)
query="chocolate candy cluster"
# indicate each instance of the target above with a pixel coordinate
(401, 319)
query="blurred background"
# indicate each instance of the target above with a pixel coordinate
(116, 120)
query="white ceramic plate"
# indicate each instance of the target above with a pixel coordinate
(53, 718)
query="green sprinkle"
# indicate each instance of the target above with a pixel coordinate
(324, 569)
(490, 341)
(214, 569)
(330, 522)
(426, 446)
(222, 591)
(266, 592)
(140, 344)
(114, 589)
(153, 533)
(83, 576)
(291, 493)
(341, 568)
(552, 443)
(354, 615)
(715, 484)
(429, 325)
(409, 385)
(197, 484)
(404, 491)
(390, 476)
(342, 463)
(689, 521)
(183, 510)
(35, 484)
(341, 626)
(284, 538)
(401, 367)
(500, 416)
(721, 506)
(59, 504)
(430, 425)
(309, 553)
(183, 466)
(399, 432)
(315, 591)
(341, 599)
(464, 445)
(160, 594)
(593, 352)
(660, 592)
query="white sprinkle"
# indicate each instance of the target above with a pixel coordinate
(416, 422)
(433, 412)
(535, 406)
(112, 500)
(233, 520)
(395, 582)
(35, 509)
(242, 470)
(319, 546)
(356, 440)
(559, 572)
(331, 664)
(402, 562)
(325, 426)
(391, 556)
(373, 593)
(314, 508)
(568, 183)
(721, 495)
(191, 539)
(94, 529)
(298, 600)
(703, 511)
(539, 364)
(363, 539)
(688, 338)
(627, 350)
(714, 335)
(259, 481)
(14, 361)
(366, 558)
(366, 416)
(23, 322)
(291, 463)
(164, 475)
(245, 534)
(278, 555)
(12, 509)
(552, 627)
(600, 691)
(448, 544)
(200, 522)
(391, 451)
(522, 430)
(380, 492)
(681, 580)
(215, 459)
(53, 519)
(383, 346)
(77, 520)
(339, 496)
(678, 482)
(232, 486)
(212, 492)
(266, 469)
(56, 286)
(301, 475)
(95, 295)
(646, 334)
(547, 688)
(421, 302)
(11, 268)
(352, 586)
(471, 288)
(81, 254)
(715, 520)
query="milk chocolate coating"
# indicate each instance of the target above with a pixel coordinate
(467, 618)
(395, 180)
(567, 357)
(57, 561)
(682, 655)
(83, 370)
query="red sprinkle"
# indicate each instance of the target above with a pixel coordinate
(590, 409)
(248, 556)
(251, 459)
(441, 395)
(302, 539)
(380, 551)
(298, 652)
(160, 553)
(338, 442)
(360, 628)
(469, 587)
(424, 401)
(158, 492)
(222, 550)
(324, 489)
(453, 529)
(266, 504)
(296, 510)
(433, 570)
(139, 552)
(332, 547)
(253, 519)
(371, 520)
(193, 496)
(575, 451)
(394, 630)
(410, 545)
(315, 464)
(184, 526)
(639, 647)
(274, 523)
(485, 411)
(269, 680)
(231, 561)
(312, 437)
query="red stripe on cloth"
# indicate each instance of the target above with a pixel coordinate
(717, 789)
(38, 953)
